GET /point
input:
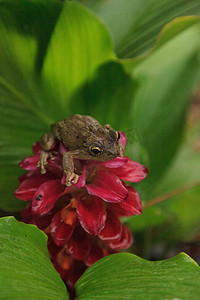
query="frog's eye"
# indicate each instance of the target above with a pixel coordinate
(118, 135)
(95, 150)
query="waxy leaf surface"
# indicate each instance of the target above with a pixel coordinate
(126, 276)
(26, 270)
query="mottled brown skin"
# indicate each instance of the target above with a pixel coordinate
(85, 138)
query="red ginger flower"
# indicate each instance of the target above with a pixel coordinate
(81, 221)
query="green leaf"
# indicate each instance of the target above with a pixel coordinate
(26, 270)
(135, 24)
(167, 77)
(168, 32)
(184, 225)
(102, 96)
(184, 172)
(79, 44)
(126, 276)
(180, 186)
(28, 106)
(152, 217)
(24, 107)
(9, 183)
(119, 16)
(25, 17)
(167, 226)
(174, 28)
(175, 218)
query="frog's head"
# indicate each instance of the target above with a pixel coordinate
(105, 146)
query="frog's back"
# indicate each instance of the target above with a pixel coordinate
(73, 130)
(82, 121)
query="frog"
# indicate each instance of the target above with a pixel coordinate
(85, 139)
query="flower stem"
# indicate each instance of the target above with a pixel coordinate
(171, 194)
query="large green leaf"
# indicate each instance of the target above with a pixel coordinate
(184, 171)
(174, 213)
(26, 270)
(167, 77)
(126, 276)
(79, 44)
(102, 96)
(25, 17)
(135, 24)
(180, 186)
(27, 107)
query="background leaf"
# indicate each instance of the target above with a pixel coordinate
(79, 44)
(24, 107)
(161, 101)
(107, 96)
(135, 24)
(165, 229)
(185, 212)
(126, 276)
(172, 220)
(27, 105)
(25, 17)
(185, 168)
(26, 270)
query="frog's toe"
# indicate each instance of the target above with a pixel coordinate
(71, 177)
(43, 171)
(43, 161)
(42, 166)
(75, 179)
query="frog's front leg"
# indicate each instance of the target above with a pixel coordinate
(47, 143)
(68, 166)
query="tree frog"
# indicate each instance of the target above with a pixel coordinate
(85, 138)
